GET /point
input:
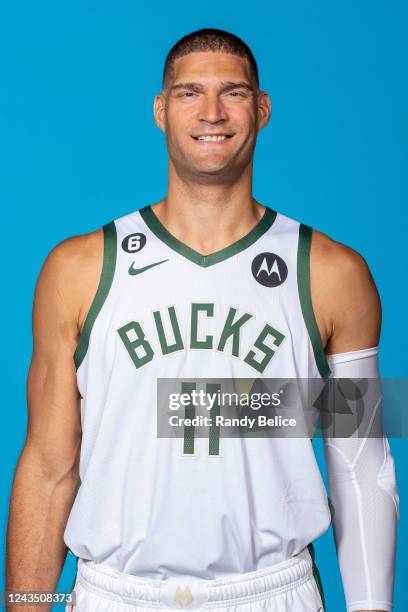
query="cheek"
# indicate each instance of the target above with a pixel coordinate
(243, 116)
(180, 120)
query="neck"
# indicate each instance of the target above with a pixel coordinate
(208, 216)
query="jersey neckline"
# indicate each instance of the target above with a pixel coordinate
(205, 261)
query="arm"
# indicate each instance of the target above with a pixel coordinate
(360, 470)
(46, 475)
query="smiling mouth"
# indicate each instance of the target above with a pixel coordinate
(212, 138)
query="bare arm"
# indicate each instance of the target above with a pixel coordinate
(348, 312)
(345, 298)
(46, 475)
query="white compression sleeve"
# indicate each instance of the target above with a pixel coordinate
(362, 488)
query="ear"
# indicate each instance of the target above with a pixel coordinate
(264, 109)
(159, 111)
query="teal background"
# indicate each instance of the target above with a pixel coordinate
(78, 147)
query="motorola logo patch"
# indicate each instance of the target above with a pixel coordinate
(134, 243)
(269, 269)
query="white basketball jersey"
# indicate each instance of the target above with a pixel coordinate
(165, 507)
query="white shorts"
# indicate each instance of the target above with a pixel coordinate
(290, 586)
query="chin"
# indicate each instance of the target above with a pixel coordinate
(210, 165)
(209, 169)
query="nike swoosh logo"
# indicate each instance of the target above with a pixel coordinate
(133, 271)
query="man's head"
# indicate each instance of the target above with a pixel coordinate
(211, 90)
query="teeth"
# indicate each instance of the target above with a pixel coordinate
(212, 138)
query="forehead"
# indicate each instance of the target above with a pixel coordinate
(207, 66)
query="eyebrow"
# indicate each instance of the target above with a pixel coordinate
(226, 86)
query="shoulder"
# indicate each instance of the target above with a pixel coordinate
(73, 258)
(339, 262)
(344, 293)
(71, 272)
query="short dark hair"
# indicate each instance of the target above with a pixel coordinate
(210, 39)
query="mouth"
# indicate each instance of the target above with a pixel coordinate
(212, 138)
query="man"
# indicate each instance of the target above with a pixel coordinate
(205, 283)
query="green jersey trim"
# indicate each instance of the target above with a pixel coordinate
(316, 574)
(105, 282)
(303, 276)
(205, 261)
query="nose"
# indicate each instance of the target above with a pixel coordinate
(212, 109)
